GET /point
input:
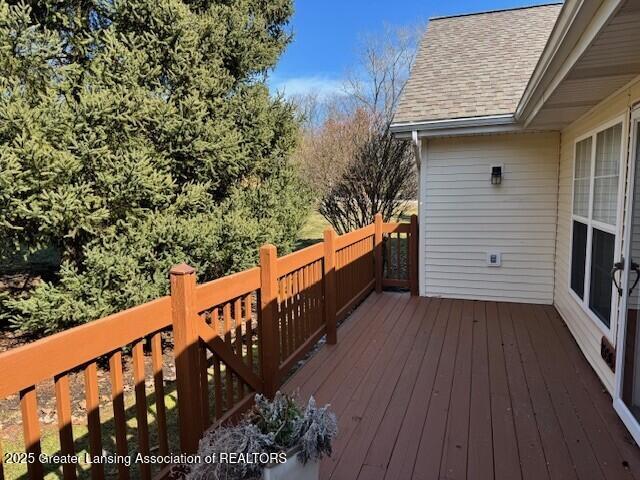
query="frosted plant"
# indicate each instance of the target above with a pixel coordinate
(310, 431)
(244, 438)
(278, 417)
(274, 426)
(315, 431)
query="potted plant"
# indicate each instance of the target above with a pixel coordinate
(276, 440)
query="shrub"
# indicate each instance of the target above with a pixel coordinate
(136, 134)
(274, 426)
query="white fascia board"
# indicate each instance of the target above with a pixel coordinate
(456, 126)
(558, 34)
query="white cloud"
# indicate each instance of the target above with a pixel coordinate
(321, 86)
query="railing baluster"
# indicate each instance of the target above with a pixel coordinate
(338, 277)
(318, 295)
(204, 386)
(249, 326)
(217, 378)
(291, 318)
(237, 313)
(289, 332)
(311, 298)
(315, 278)
(31, 429)
(217, 371)
(158, 386)
(226, 312)
(92, 399)
(303, 297)
(119, 419)
(282, 316)
(318, 276)
(348, 273)
(297, 309)
(1, 461)
(359, 269)
(141, 406)
(307, 296)
(398, 253)
(65, 428)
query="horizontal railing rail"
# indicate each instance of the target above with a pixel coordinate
(228, 338)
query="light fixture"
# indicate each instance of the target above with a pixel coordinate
(496, 174)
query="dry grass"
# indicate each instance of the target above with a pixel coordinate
(313, 230)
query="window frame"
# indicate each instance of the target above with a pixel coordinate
(615, 230)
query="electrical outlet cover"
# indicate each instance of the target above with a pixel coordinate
(494, 259)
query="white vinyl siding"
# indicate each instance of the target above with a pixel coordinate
(586, 332)
(464, 217)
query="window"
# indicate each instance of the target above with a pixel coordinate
(594, 221)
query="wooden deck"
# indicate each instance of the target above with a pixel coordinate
(452, 389)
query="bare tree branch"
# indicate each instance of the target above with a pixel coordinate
(352, 161)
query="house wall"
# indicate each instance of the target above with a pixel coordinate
(583, 328)
(463, 217)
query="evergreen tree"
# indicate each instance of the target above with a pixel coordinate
(136, 134)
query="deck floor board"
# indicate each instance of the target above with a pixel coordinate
(532, 459)
(459, 389)
(367, 376)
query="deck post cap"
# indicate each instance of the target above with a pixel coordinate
(182, 269)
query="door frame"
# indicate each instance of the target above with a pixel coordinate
(620, 407)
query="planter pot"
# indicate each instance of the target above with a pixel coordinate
(292, 469)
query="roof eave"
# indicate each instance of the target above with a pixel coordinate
(456, 126)
(577, 26)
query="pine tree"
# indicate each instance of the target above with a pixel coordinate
(137, 134)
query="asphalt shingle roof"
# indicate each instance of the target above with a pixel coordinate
(475, 65)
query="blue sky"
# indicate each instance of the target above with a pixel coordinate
(327, 34)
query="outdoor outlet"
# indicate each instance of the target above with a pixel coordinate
(494, 259)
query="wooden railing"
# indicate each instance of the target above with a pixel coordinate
(231, 337)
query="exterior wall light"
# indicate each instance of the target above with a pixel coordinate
(496, 174)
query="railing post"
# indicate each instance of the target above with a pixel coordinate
(413, 256)
(330, 286)
(377, 245)
(269, 318)
(187, 356)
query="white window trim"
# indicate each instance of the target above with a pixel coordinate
(616, 229)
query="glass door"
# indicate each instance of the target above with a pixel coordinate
(626, 274)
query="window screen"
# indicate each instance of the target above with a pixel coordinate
(582, 176)
(605, 180)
